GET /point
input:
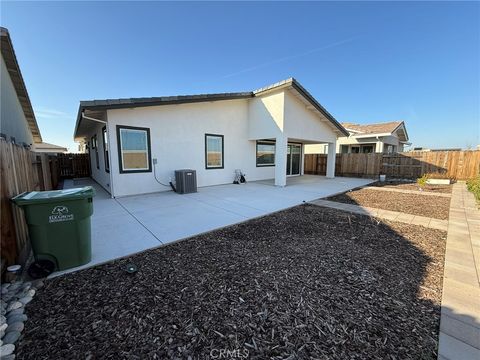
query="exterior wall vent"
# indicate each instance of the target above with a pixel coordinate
(186, 181)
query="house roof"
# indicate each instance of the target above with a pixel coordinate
(101, 105)
(162, 100)
(8, 55)
(47, 147)
(379, 128)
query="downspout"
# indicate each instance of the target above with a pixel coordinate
(109, 151)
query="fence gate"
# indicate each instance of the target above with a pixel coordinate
(73, 165)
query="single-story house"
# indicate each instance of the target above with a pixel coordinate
(136, 144)
(387, 137)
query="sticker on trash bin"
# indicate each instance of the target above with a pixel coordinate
(60, 213)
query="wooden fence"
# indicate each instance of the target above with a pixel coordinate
(460, 165)
(21, 170)
(73, 165)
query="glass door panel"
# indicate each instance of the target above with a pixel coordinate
(289, 160)
(294, 153)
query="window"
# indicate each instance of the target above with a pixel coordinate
(105, 149)
(367, 149)
(265, 153)
(344, 149)
(355, 149)
(213, 151)
(95, 147)
(390, 149)
(134, 149)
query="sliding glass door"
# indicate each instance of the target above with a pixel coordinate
(294, 158)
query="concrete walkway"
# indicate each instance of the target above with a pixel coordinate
(385, 214)
(405, 191)
(460, 321)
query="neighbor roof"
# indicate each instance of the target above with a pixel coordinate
(379, 128)
(99, 105)
(44, 147)
(8, 55)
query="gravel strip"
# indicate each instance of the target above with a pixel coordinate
(444, 189)
(430, 206)
(308, 282)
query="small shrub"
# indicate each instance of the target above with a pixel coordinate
(422, 181)
(473, 185)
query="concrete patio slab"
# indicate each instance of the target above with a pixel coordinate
(124, 226)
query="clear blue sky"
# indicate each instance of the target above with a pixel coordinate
(365, 62)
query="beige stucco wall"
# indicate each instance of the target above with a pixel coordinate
(12, 119)
(316, 149)
(380, 144)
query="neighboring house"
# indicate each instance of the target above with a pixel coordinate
(50, 148)
(388, 137)
(17, 120)
(136, 144)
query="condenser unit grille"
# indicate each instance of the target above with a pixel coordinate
(186, 181)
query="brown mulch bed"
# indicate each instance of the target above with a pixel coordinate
(308, 282)
(444, 189)
(431, 206)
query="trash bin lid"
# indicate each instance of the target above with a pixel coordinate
(38, 197)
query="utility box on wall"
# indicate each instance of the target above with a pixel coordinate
(186, 181)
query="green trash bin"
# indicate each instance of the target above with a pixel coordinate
(59, 225)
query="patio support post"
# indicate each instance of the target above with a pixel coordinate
(331, 159)
(281, 161)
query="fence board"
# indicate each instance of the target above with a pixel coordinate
(21, 170)
(459, 165)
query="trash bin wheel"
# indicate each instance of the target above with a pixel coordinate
(41, 269)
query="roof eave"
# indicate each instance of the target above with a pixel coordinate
(8, 54)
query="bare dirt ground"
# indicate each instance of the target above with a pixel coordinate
(444, 189)
(431, 206)
(307, 282)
